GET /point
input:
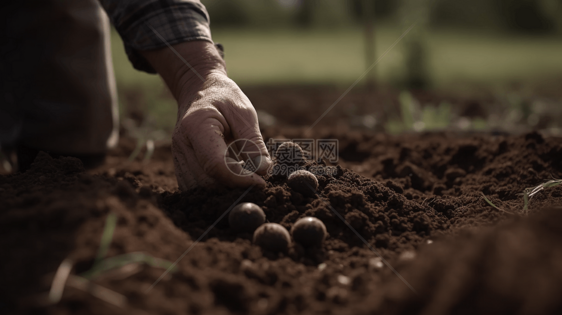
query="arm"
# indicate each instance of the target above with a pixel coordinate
(210, 105)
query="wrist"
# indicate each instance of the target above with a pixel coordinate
(188, 67)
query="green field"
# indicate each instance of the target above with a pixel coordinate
(336, 56)
(455, 60)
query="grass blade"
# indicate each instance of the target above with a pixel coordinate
(106, 237)
(138, 148)
(59, 281)
(531, 191)
(552, 183)
(125, 259)
(489, 202)
(493, 205)
(526, 200)
(407, 109)
(98, 291)
(149, 150)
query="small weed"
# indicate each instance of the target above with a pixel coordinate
(106, 236)
(493, 205)
(408, 105)
(149, 150)
(531, 191)
(145, 136)
(83, 282)
(102, 264)
(415, 117)
(528, 193)
(125, 259)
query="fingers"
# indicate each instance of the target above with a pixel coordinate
(186, 166)
(245, 130)
(209, 149)
(201, 151)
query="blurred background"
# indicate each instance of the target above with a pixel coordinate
(463, 66)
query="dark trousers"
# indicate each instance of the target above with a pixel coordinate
(57, 87)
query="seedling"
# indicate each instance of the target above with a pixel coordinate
(246, 217)
(64, 278)
(102, 264)
(493, 205)
(106, 236)
(304, 182)
(309, 232)
(272, 237)
(123, 260)
(408, 109)
(141, 143)
(145, 136)
(528, 193)
(59, 281)
(149, 151)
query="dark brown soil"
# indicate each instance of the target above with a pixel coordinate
(415, 199)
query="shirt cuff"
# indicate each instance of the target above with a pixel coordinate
(163, 27)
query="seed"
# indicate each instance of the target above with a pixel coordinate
(246, 217)
(303, 182)
(309, 232)
(290, 153)
(272, 237)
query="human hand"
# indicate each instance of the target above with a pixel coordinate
(219, 115)
(212, 113)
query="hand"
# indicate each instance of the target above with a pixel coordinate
(198, 144)
(212, 112)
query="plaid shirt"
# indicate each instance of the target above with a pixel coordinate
(149, 24)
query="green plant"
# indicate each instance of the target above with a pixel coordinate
(528, 193)
(145, 135)
(106, 237)
(408, 108)
(83, 282)
(102, 264)
(414, 117)
(436, 117)
(123, 260)
(493, 205)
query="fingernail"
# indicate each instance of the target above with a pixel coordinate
(262, 163)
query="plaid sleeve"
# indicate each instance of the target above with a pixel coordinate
(150, 24)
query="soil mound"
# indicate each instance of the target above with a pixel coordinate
(415, 200)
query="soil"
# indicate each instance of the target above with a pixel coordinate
(415, 199)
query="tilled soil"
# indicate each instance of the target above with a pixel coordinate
(416, 200)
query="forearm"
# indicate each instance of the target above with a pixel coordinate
(153, 24)
(186, 67)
